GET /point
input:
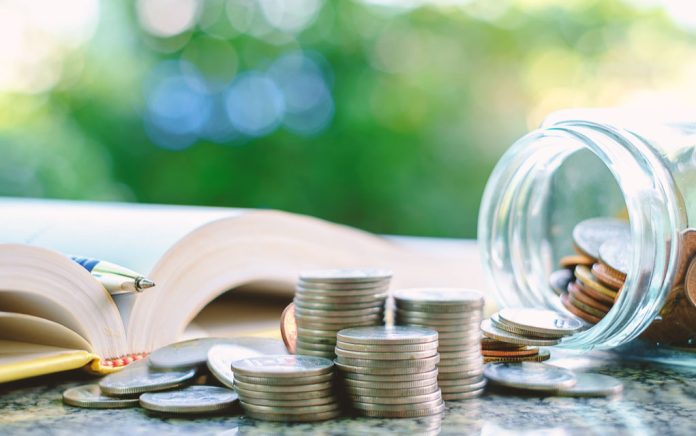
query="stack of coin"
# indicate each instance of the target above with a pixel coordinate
(513, 335)
(591, 280)
(456, 315)
(327, 301)
(286, 388)
(390, 372)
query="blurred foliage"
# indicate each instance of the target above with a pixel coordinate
(426, 100)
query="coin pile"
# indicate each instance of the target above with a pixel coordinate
(327, 301)
(390, 372)
(514, 335)
(591, 280)
(286, 388)
(456, 315)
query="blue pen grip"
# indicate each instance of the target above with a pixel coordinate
(87, 263)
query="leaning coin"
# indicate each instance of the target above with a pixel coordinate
(529, 375)
(282, 366)
(540, 321)
(193, 399)
(491, 331)
(387, 335)
(590, 234)
(136, 380)
(91, 397)
(288, 328)
(592, 385)
(351, 275)
(282, 388)
(396, 355)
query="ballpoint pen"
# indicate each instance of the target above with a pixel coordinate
(115, 278)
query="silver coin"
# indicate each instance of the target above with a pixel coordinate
(385, 370)
(395, 335)
(323, 326)
(281, 388)
(449, 344)
(315, 334)
(339, 313)
(303, 304)
(314, 353)
(371, 355)
(309, 417)
(363, 392)
(351, 275)
(590, 234)
(443, 370)
(450, 389)
(450, 297)
(529, 375)
(559, 280)
(292, 403)
(467, 354)
(374, 299)
(460, 381)
(467, 335)
(366, 348)
(443, 329)
(491, 331)
(192, 399)
(438, 316)
(249, 407)
(220, 357)
(381, 385)
(462, 395)
(344, 320)
(91, 397)
(308, 345)
(348, 286)
(461, 374)
(397, 407)
(540, 321)
(458, 347)
(406, 363)
(401, 400)
(429, 410)
(286, 381)
(592, 385)
(139, 379)
(510, 328)
(347, 293)
(282, 366)
(286, 396)
(369, 378)
(617, 253)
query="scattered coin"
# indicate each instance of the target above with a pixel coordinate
(221, 356)
(138, 379)
(494, 332)
(590, 234)
(540, 321)
(91, 397)
(592, 385)
(192, 399)
(529, 376)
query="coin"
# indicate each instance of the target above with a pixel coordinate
(352, 275)
(606, 276)
(383, 370)
(287, 396)
(398, 407)
(139, 379)
(304, 304)
(308, 345)
(385, 356)
(466, 335)
(405, 400)
(387, 335)
(192, 399)
(91, 397)
(307, 417)
(314, 334)
(288, 327)
(462, 373)
(498, 323)
(366, 348)
(452, 317)
(220, 357)
(584, 275)
(340, 313)
(461, 395)
(448, 298)
(574, 260)
(315, 353)
(617, 253)
(608, 300)
(475, 352)
(511, 353)
(542, 356)
(348, 382)
(282, 366)
(584, 307)
(442, 328)
(590, 234)
(281, 388)
(492, 344)
(577, 312)
(577, 294)
(322, 326)
(460, 381)
(540, 321)
(382, 393)
(459, 368)
(367, 299)
(592, 385)
(494, 332)
(250, 407)
(558, 280)
(292, 403)
(451, 389)
(347, 286)
(529, 375)
(426, 375)
(405, 363)
(286, 381)
(347, 293)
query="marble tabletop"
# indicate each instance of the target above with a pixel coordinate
(656, 399)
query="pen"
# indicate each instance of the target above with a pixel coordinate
(115, 278)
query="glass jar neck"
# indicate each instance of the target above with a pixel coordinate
(513, 226)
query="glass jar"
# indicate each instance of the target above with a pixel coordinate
(599, 162)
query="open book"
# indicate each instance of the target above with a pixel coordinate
(54, 315)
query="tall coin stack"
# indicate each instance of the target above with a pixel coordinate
(286, 388)
(590, 281)
(456, 315)
(327, 301)
(390, 372)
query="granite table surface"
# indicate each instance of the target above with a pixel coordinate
(657, 399)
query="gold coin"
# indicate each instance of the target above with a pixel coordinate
(608, 276)
(565, 300)
(586, 308)
(577, 293)
(592, 293)
(576, 259)
(584, 274)
(542, 356)
(525, 352)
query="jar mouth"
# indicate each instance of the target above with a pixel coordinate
(517, 258)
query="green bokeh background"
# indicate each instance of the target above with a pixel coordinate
(427, 99)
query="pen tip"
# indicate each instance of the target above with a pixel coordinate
(143, 283)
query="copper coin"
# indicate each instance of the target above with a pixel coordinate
(592, 293)
(607, 276)
(585, 307)
(565, 299)
(583, 274)
(530, 351)
(288, 328)
(576, 259)
(492, 344)
(577, 293)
